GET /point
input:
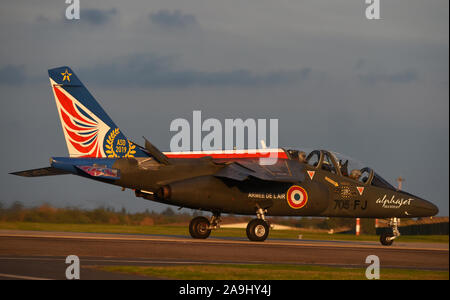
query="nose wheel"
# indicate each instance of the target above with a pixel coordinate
(386, 239)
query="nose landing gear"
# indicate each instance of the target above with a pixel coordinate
(386, 239)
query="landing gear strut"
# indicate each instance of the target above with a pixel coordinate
(387, 239)
(200, 227)
(258, 229)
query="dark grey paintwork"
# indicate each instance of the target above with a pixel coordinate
(240, 186)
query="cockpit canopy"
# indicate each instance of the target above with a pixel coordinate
(340, 165)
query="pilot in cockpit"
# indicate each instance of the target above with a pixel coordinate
(355, 174)
(302, 157)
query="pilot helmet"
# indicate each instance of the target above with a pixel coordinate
(301, 155)
(355, 174)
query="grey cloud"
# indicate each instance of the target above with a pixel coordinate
(405, 76)
(155, 71)
(97, 16)
(360, 63)
(94, 17)
(172, 19)
(12, 74)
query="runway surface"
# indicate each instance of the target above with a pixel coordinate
(41, 255)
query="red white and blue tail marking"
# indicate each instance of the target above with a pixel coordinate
(83, 130)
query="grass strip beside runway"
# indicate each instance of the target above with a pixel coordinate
(271, 272)
(178, 230)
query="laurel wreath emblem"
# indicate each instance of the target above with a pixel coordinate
(110, 146)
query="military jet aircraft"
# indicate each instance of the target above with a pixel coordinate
(229, 181)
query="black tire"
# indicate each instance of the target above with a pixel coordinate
(199, 228)
(385, 239)
(257, 230)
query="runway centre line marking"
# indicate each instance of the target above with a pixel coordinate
(318, 244)
(23, 277)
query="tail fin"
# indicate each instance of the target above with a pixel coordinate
(88, 130)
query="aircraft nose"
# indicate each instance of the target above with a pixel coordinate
(426, 208)
(434, 210)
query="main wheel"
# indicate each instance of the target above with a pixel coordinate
(257, 230)
(199, 228)
(385, 239)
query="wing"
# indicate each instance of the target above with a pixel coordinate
(283, 171)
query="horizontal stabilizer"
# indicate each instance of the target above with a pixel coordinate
(49, 171)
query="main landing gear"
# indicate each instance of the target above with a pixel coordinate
(257, 229)
(200, 227)
(387, 239)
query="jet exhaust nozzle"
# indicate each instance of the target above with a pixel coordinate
(164, 193)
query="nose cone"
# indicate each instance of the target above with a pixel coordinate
(429, 207)
(417, 207)
(424, 208)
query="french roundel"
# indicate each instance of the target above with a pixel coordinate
(297, 197)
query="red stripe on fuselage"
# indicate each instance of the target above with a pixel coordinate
(281, 155)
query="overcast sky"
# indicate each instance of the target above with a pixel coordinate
(375, 90)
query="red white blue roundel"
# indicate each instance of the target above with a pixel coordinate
(297, 197)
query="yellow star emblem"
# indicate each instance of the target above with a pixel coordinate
(66, 75)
